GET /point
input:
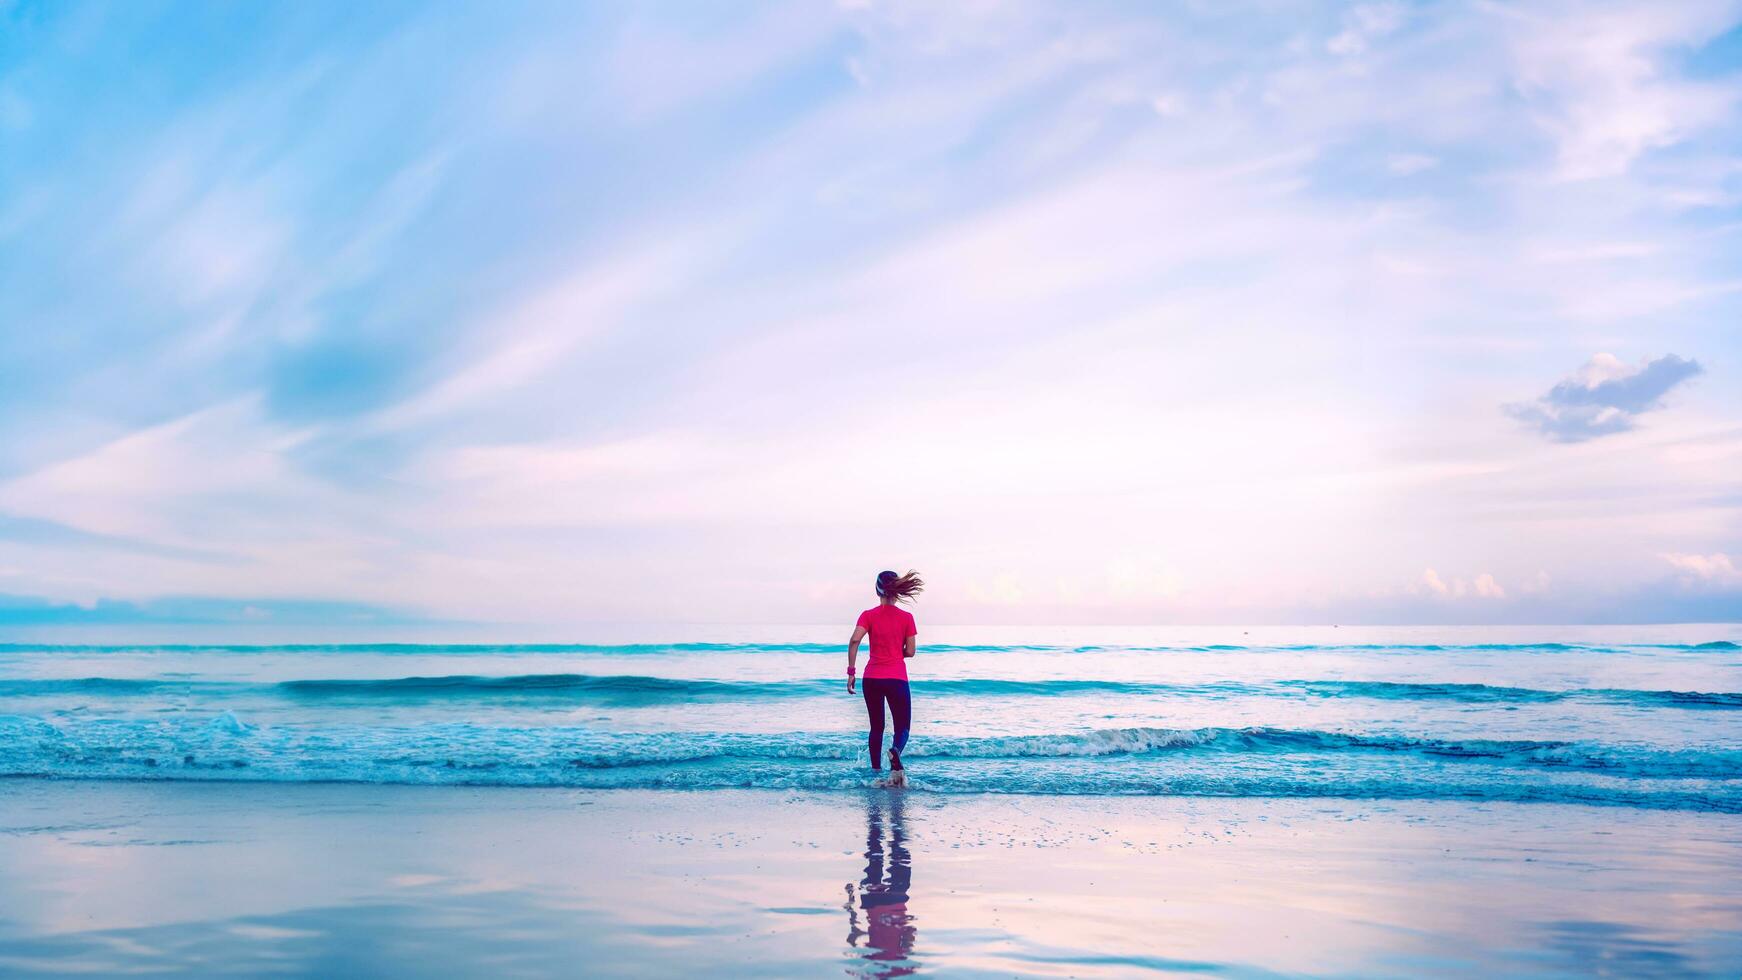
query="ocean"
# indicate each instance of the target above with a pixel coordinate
(1646, 718)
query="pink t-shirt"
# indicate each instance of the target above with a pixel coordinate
(890, 626)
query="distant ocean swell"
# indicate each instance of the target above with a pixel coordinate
(680, 648)
(1140, 761)
(636, 690)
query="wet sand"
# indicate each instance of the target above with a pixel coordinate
(349, 880)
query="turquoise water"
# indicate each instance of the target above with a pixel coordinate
(1600, 717)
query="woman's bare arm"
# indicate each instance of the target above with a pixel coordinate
(853, 655)
(912, 647)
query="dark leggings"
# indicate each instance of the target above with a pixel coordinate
(894, 690)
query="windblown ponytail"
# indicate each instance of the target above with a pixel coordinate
(901, 588)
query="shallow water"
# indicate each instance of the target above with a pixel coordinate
(1634, 717)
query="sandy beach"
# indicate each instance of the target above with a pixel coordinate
(347, 880)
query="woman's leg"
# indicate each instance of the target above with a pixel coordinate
(874, 707)
(901, 710)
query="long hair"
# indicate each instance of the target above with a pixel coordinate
(901, 588)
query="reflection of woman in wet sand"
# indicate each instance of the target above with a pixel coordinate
(888, 931)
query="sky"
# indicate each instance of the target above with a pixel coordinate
(554, 314)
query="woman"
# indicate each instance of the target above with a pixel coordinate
(892, 642)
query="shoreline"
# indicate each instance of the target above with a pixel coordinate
(915, 788)
(311, 879)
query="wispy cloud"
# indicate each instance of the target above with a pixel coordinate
(1602, 86)
(1404, 164)
(1364, 24)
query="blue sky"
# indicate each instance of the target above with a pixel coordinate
(568, 313)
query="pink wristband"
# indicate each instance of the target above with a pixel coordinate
(851, 672)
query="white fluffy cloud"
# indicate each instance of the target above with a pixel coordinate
(1713, 569)
(1483, 586)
